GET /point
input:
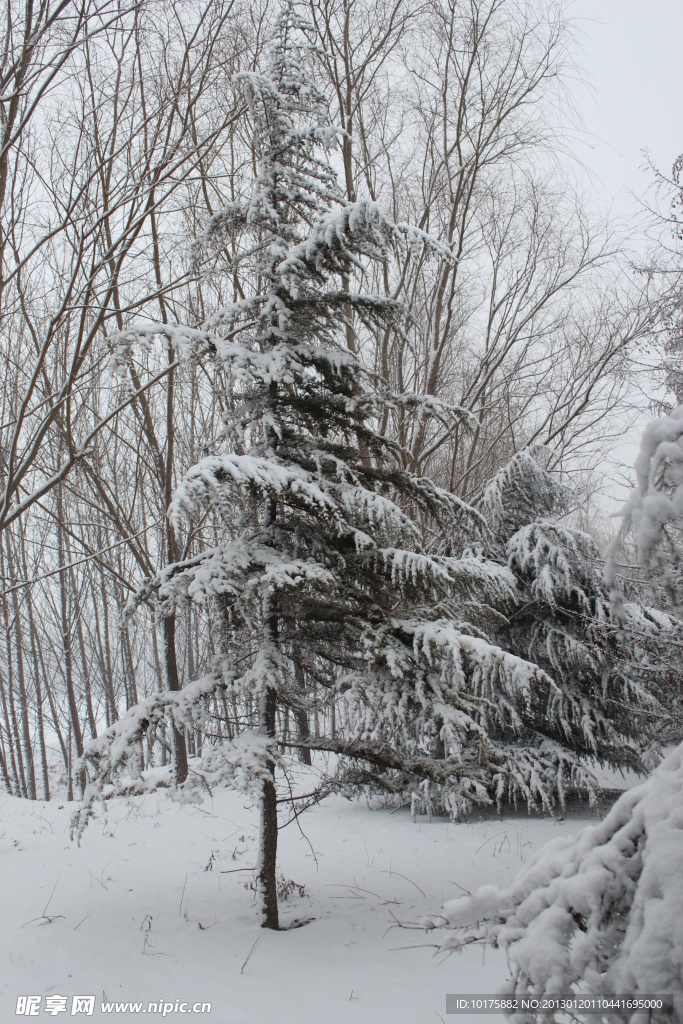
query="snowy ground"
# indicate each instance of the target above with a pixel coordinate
(150, 908)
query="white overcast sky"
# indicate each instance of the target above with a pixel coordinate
(629, 92)
(631, 53)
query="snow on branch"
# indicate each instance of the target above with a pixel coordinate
(445, 412)
(361, 228)
(655, 509)
(230, 218)
(112, 761)
(467, 573)
(601, 911)
(490, 666)
(476, 697)
(565, 565)
(207, 480)
(239, 570)
(343, 503)
(521, 490)
(187, 342)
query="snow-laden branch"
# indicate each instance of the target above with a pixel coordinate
(602, 910)
(655, 509)
(521, 488)
(112, 761)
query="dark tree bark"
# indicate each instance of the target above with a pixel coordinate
(5, 776)
(75, 733)
(300, 716)
(173, 683)
(16, 745)
(81, 644)
(267, 859)
(40, 724)
(21, 680)
(163, 743)
(104, 657)
(53, 709)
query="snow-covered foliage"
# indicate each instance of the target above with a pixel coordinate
(654, 511)
(113, 760)
(328, 592)
(653, 517)
(567, 625)
(598, 646)
(601, 912)
(320, 557)
(521, 490)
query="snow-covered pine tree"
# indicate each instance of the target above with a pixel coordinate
(342, 580)
(600, 652)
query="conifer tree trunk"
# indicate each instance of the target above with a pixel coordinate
(161, 737)
(131, 685)
(69, 766)
(169, 621)
(267, 857)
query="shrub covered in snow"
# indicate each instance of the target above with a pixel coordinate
(600, 912)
